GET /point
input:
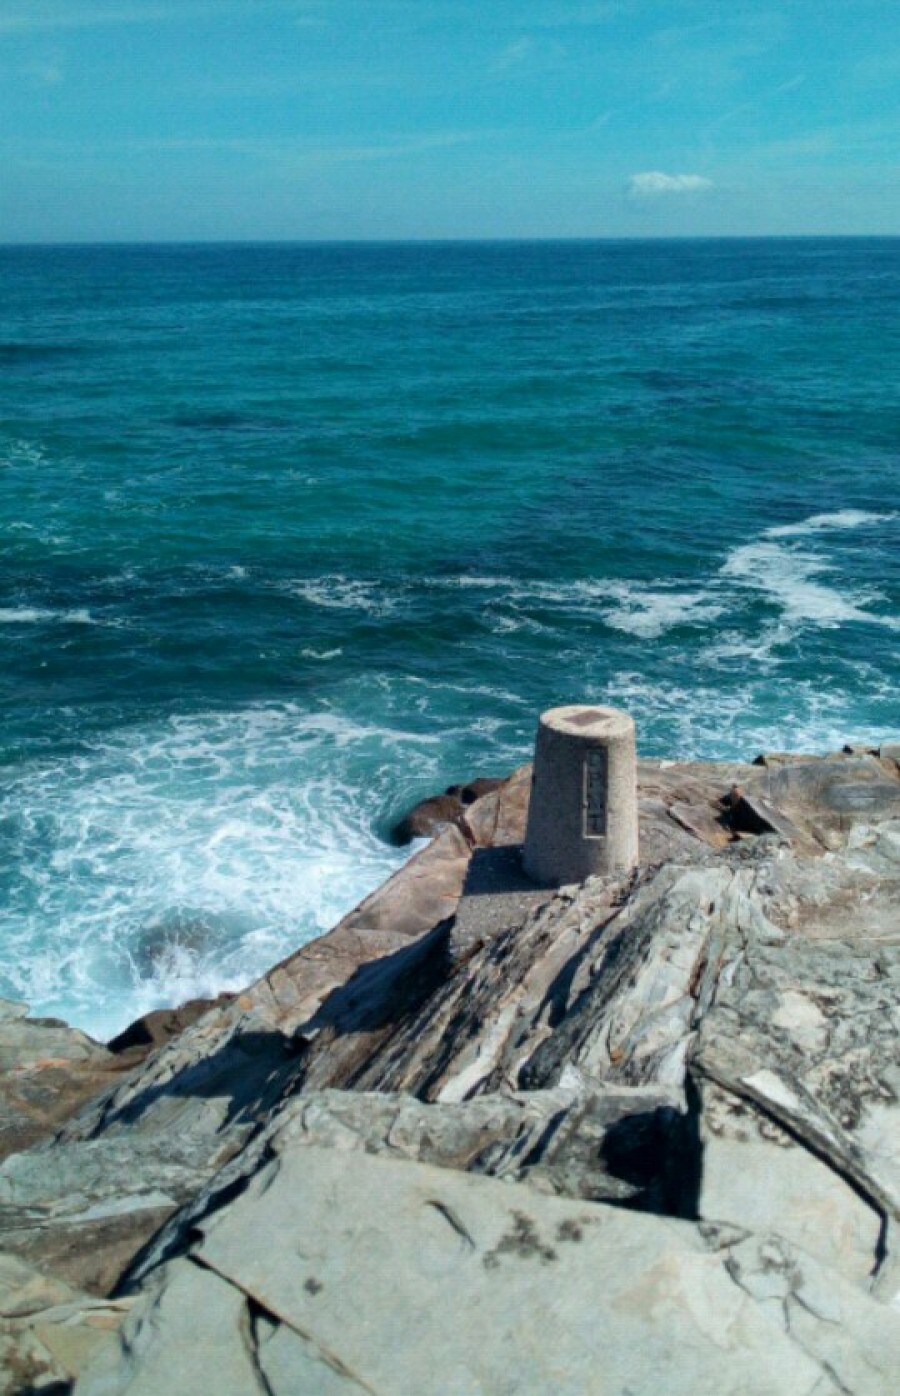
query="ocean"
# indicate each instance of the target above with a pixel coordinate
(293, 535)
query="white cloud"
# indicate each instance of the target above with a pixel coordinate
(653, 183)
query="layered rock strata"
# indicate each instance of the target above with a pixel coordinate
(633, 1135)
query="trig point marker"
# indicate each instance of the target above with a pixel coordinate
(582, 819)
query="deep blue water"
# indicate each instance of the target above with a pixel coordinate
(292, 535)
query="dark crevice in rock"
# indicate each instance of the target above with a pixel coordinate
(56, 1388)
(183, 1231)
(255, 1316)
(539, 1149)
(620, 959)
(454, 1222)
(660, 1154)
(685, 1172)
(258, 1313)
(556, 1003)
(881, 1246)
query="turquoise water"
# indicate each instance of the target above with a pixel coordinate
(292, 536)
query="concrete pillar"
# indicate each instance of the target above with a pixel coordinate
(582, 819)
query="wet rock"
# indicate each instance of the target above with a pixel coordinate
(431, 815)
(161, 1025)
(475, 789)
(427, 818)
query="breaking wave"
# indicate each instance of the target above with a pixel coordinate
(185, 859)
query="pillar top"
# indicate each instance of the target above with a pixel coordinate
(588, 722)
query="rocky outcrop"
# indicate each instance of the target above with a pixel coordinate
(435, 812)
(627, 1136)
(47, 1072)
(162, 1024)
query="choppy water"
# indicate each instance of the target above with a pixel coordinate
(294, 535)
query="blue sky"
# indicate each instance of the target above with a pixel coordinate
(205, 119)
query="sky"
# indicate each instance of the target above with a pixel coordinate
(145, 120)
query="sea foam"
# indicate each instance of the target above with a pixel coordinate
(39, 615)
(186, 858)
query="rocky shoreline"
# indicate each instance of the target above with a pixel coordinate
(634, 1135)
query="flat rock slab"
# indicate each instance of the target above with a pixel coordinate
(397, 1277)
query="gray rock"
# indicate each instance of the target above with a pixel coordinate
(404, 1278)
(754, 1175)
(710, 1046)
(48, 1330)
(855, 1341)
(193, 1332)
(833, 793)
(628, 1145)
(25, 1041)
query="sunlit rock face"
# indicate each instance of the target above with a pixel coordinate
(659, 1110)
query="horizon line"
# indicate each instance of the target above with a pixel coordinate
(35, 244)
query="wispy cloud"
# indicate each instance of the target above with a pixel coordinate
(528, 55)
(514, 55)
(579, 16)
(44, 72)
(653, 184)
(296, 154)
(397, 148)
(791, 85)
(37, 16)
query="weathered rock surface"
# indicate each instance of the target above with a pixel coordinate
(356, 1171)
(48, 1330)
(47, 1071)
(162, 1024)
(411, 1279)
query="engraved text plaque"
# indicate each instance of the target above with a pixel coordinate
(595, 768)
